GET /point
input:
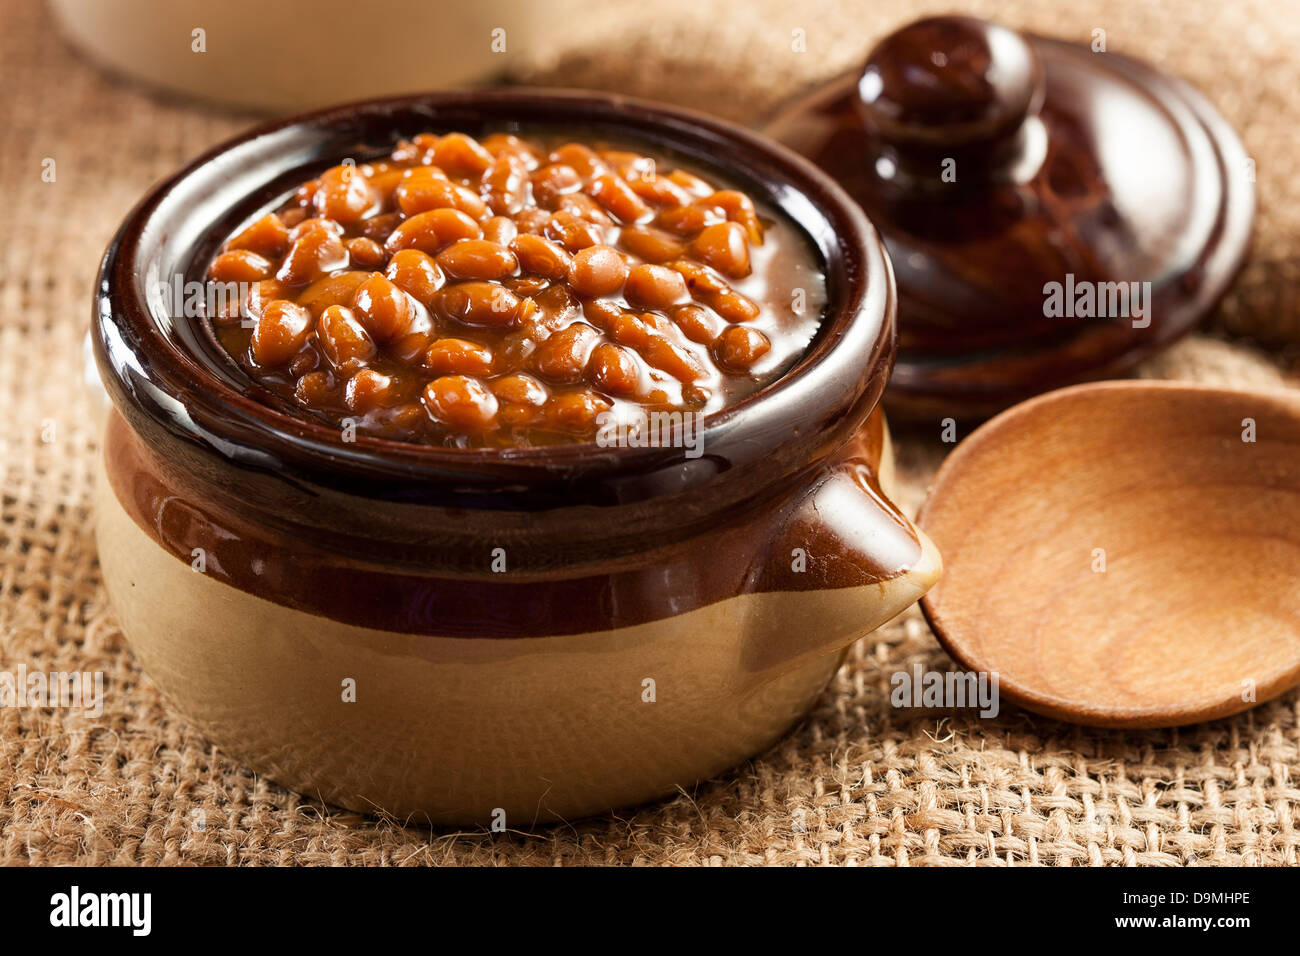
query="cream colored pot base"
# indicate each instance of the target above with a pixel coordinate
(455, 730)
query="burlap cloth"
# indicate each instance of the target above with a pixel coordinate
(858, 782)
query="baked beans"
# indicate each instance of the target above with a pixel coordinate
(510, 292)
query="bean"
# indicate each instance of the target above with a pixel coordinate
(603, 313)
(506, 183)
(652, 245)
(643, 333)
(422, 148)
(533, 221)
(563, 356)
(461, 155)
(616, 197)
(343, 194)
(697, 323)
(415, 272)
(582, 159)
(691, 183)
(553, 181)
(519, 389)
(723, 246)
(708, 287)
(477, 259)
(660, 191)
(380, 227)
(515, 416)
(331, 290)
(430, 231)
(505, 144)
(501, 230)
(280, 332)
(384, 182)
(739, 347)
(597, 270)
(316, 253)
(313, 389)
(541, 257)
(268, 236)
(738, 208)
(304, 194)
(365, 253)
(654, 287)
(315, 222)
(627, 164)
(385, 310)
(585, 208)
(368, 389)
(460, 402)
(262, 293)
(343, 339)
(576, 412)
(480, 303)
(407, 419)
(670, 357)
(240, 265)
(530, 286)
(573, 232)
(468, 202)
(734, 306)
(458, 356)
(687, 220)
(410, 348)
(489, 293)
(613, 369)
(422, 190)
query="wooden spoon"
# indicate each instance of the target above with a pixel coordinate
(1122, 554)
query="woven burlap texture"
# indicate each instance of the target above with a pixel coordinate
(858, 782)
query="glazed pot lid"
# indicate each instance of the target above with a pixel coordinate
(1054, 212)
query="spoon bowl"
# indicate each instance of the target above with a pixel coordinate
(1125, 554)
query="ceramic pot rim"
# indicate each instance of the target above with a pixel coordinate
(157, 379)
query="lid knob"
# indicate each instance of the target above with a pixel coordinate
(955, 85)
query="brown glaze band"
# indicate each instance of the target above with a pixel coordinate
(756, 553)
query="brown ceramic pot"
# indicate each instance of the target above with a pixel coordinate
(1010, 174)
(444, 634)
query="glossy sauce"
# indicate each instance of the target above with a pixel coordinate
(509, 294)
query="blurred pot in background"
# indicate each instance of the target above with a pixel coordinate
(250, 53)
